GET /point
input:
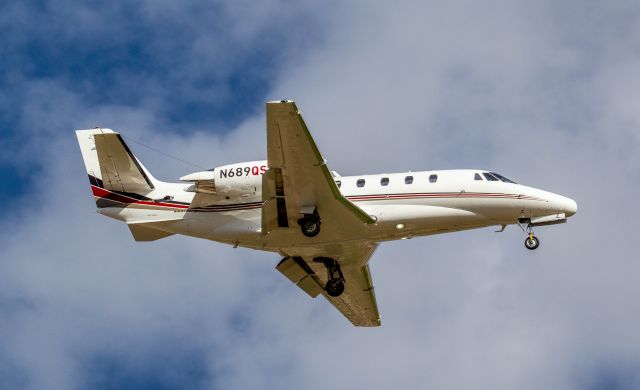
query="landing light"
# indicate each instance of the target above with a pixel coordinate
(400, 226)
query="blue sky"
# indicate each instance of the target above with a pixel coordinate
(192, 65)
(543, 92)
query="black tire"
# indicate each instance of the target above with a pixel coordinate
(334, 287)
(310, 226)
(532, 243)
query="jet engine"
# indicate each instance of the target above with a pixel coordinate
(240, 180)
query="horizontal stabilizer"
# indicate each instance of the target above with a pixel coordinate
(144, 233)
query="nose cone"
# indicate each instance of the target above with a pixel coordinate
(568, 206)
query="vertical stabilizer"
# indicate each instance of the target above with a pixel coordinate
(110, 163)
(90, 154)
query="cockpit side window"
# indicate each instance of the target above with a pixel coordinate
(490, 177)
(477, 177)
(502, 178)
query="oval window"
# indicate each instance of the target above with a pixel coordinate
(433, 178)
(360, 183)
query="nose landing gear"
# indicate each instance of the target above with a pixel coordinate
(531, 242)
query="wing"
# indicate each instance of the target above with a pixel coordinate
(298, 180)
(358, 301)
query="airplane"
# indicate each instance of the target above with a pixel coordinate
(325, 226)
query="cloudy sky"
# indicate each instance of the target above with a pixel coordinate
(545, 92)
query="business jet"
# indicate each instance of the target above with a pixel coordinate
(325, 226)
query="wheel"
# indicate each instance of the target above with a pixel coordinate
(532, 242)
(310, 226)
(334, 287)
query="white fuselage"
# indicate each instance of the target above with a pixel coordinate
(403, 208)
(325, 226)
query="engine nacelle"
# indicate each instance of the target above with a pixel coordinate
(230, 181)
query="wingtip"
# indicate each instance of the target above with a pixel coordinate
(371, 324)
(280, 101)
(95, 130)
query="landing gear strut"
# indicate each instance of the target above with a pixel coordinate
(310, 224)
(335, 284)
(532, 241)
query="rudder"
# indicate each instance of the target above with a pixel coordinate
(110, 163)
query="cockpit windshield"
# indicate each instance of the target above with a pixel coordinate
(489, 176)
(502, 178)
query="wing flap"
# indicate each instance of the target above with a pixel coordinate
(297, 271)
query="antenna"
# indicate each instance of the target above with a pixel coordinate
(164, 154)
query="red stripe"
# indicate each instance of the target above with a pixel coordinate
(105, 194)
(441, 195)
(102, 193)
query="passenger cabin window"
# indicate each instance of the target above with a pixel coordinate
(360, 183)
(408, 180)
(338, 183)
(477, 177)
(384, 181)
(502, 178)
(490, 177)
(433, 178)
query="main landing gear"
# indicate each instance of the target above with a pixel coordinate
(335, 283)
(310, 224)
(531, 242)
